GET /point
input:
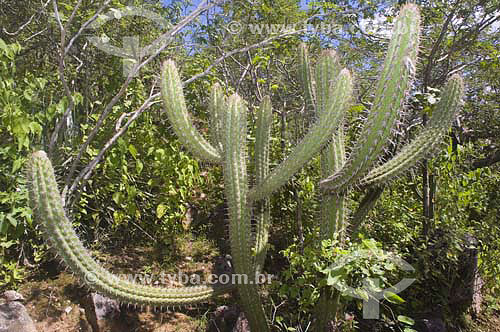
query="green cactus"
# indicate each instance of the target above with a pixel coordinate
(262, 209)
(329, 95)
(46, 203)
(392, 87)
(341, 175)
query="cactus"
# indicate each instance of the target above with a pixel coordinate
(327, 94)
(228, 148)
(392, 87)
(358, 171)
(46, 203)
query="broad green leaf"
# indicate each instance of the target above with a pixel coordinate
(406, 320)
(133, 151)
(139, 166)
(393, 297)
(160, 210)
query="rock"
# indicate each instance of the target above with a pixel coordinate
(13, 315)
(430, 325)
(225, 318)
(84, 324)
(241, 324)
(10, 296)
(102, 313)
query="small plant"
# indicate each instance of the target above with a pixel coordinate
(330, 96)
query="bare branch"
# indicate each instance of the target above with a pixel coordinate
(120, 93)
(85, 25)
(240, 50)
(87, 171)
(24, 25)
(488, 161)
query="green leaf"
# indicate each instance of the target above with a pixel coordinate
(330, 281)
(16, 165)
(139, 166)
(12, 220)
(362, 294)
(3, 46)
(161, 210)
(117, 197)
(132, 151)
(393, 297)
(406, 320)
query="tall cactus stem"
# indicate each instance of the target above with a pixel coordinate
(175, 105)
(396, 78)
(305, 77)
(236, 189)
(326, 72)
(217, 109)
(333, 206)
(262, 209)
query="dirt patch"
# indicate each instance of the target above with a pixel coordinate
(55, 300)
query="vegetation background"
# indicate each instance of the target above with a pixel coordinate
(128, 182)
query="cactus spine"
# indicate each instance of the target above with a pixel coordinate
(46, 203)
(329, 95)
(262, 208)
(236, 188)
(393, 85)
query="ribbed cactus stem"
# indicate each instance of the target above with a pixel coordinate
(426, 143)
(333, 219)
(367, 203)
(313, 141)
(326, 72)
(175, 105)
(305, 77)
(46, 203)
(396, 78)
(333, 206)
(236, 189)
(262, 211)
(217, 108)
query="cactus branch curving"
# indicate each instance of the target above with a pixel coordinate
(236, 188)
(46, 203)
(314, 140)
(175, 105)
(393, 85)
(427, 143)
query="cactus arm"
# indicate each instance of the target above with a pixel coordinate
(314, 140)
(217, 107)
(46, 203)
(427, 143)
(305, 77)
(175, 105)
(332, 225)
(263, 212)
(236, 189)
(396, 78)
(326, 71)
(367, 203)
(333, 206)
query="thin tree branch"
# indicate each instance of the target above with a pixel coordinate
(68, 190)
(488, 161)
